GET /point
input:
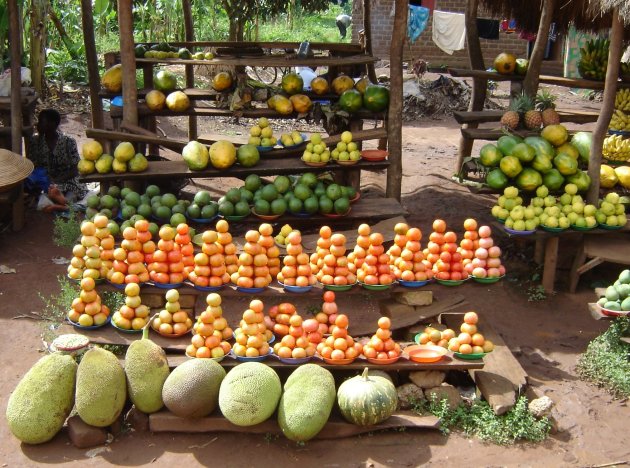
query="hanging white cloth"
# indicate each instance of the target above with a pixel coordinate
(449, 31)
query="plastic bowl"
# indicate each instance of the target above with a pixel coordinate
(349, 162)
(266, 217)
(314, 163)
(335, 215)
(252, 359)
(609, 227)
(614, 313)
(265, 149)
(250, 290)
(338, 362)
(470, 356)
(552, 229)
(206, 288)
(425, 353)
(374, 154)
(93, 327)
(124, 330)
(172, 335)
(304, 141)
(486, 280)
(294, 361)
(203, 220)
(167, 285)
(413, 284)
(376, 287)
(296, 289)
(450, 282)
(578, 228)
(338, 287)
(383, 362)
(356, 198)
(518, 233)
(236, 217)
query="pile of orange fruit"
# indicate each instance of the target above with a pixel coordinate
(211, 332)
(381, 345)
(172, 320)
(406, 256)
(259, 261)
(297, 270)
(375, 268)
(295, 344)
(280, 318)
(442, 252)
(88, 259)
(432, 335)
(87, 309)
(339, 345)
(184, 242)
(166, 264)
(134, 314)
(130, 258)
(329, 262)
(252, 336)
(470, 341)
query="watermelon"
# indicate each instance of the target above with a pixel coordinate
(489, 155)
(541, 146)
(507, 142)
(496, 179)
(376, 98)
(351, 101)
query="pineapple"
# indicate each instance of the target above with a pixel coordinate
(511, 118)
(545, 103)
(532, 117)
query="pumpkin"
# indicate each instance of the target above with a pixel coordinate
(366, 400)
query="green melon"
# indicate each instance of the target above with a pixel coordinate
(490, 155)
(351, 101)
(366, 400)
(376, 98)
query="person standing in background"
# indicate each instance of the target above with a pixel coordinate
(343, 23)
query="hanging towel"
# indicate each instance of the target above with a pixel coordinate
(449, 31)
(488, 28)
(417, 23)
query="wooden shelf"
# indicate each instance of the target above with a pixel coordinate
(269, 166)
(486, 116)
(328, 46)
(491, 134)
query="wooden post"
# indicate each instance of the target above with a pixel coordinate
(38, 36)
(530, 83)
(15, 35)
(367, 31)
(394, 116)
(608, 105)
(87, 20)
(478, 94)
(128, 60)
(190, 69)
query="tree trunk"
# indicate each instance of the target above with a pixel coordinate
(16, 78)
(71, 47)
(480, 86)
(530, 83)
(87, 20)
(190, 70)
(394, 116)
(128, 61)
(608, 105)
(38, 39)
(367, 31)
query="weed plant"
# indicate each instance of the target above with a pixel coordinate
(66, 232)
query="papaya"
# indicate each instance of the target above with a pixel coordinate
(112, 79)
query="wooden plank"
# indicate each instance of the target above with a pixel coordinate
(494, 116)
(170, 169)
(491, 134)
(268, 61)
(175, 145)
(551, 262)
(325, 46)
(502, 376)
(165, 421)
(616, 249)
(625, 339)
(448, 362)
(596, 312)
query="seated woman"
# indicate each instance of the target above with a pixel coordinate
(55, 157)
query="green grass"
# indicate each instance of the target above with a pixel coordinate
(66, 232)
(605, 361)
(478, 420)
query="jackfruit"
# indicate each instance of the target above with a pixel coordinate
(101, 388)
(43, 399)
(308, 398)
(249, 394)
(192, 389)
(146, 368)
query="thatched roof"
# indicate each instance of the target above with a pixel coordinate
(587, 15)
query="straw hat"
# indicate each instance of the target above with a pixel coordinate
(13, 168)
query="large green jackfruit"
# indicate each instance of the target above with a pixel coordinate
(308, 398)
(192, 389)
(101, 388)
(146, 368)
(249, 394)
(43, 399)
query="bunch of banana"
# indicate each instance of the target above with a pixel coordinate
(622, 99)
(616, 148)
(594, 59)
(620, 120)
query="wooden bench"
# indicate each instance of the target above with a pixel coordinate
(615, 249)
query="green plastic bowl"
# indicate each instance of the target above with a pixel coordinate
(470, 357)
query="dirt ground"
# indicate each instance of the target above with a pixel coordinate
(546, 335)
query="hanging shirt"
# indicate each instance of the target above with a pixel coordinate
(449, 31)
(488, 28)
(417, 22)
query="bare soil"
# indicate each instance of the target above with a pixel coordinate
(547, 336)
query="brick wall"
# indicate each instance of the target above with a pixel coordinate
(424, 48)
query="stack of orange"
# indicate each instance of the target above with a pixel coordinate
(381, 345)
(227, 248)
(339, 345)
(87, 309)
(254, 269)
(442, 252)
(375, 268)
(295, 344)
(469, 243)
(167, 265)
(184, 241)
(407, 259)
(131, 257)
(209, 264)
(297, 270)
(172, 320)
(211, 332)
(330, 260)
(252, 335)
(357, 256)
(134, 314)
(86, 261)
(432, 335)
(280, 318)
(470, 340)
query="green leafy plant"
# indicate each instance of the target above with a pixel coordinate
(56, 306)
(605, 362)
(536, 293)
(478, 420)
(66, 231)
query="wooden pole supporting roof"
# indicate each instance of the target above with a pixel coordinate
(128, 61)
(87, 21)
(15, 36)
